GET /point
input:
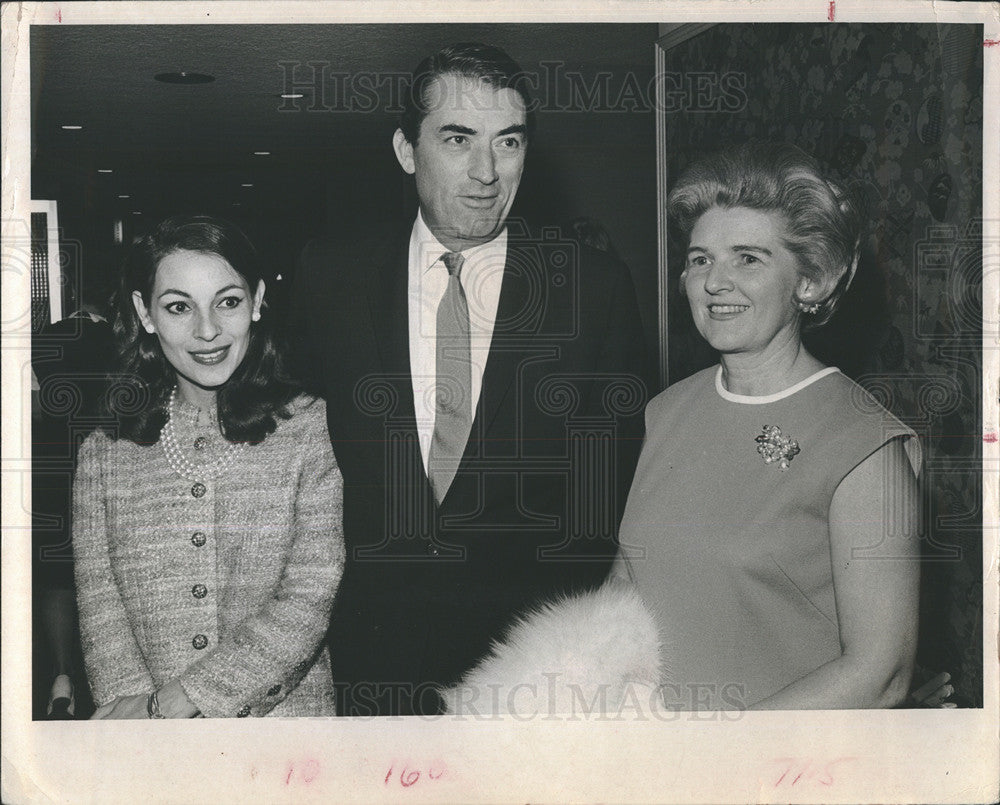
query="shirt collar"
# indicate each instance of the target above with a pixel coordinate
(429, 248)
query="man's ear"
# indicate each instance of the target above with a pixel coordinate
(140, 308)
(404, 150)
(258, 300)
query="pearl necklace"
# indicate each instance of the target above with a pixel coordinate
(182, 465)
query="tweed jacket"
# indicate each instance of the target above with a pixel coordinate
(229, 592)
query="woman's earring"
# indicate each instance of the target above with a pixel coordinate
(806, 307)
(255, 316)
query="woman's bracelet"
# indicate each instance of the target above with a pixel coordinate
(153, 706)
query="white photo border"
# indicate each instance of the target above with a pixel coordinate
(846, 756)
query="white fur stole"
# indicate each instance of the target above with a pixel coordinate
(592, 652)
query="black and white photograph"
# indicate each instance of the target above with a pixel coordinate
(575, 405)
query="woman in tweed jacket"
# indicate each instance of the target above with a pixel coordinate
(207, 530)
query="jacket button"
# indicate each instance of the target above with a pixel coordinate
(198, 539)
(302, 667)
(243, 712)
(433, 550)
(198, 490)
(200, 442)
(274, 691)
(199, 641)
(199, 591)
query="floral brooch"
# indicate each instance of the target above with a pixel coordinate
(773, 446)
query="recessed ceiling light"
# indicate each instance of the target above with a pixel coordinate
(184, 77)
(136, 212)
(105, 170)
(247, 184)
(72, 128)
(278, 277)
(124, 196)
(262, 153)
(292, 95)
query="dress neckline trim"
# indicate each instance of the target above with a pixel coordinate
(192, 415)
(748, 399)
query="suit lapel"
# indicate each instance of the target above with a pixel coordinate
(387, 303)
(389, 311)
(509, 333)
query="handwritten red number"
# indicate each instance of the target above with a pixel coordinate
(409, 777)
(804, 770)
(827, 778)
(308, 772)
(311, 770)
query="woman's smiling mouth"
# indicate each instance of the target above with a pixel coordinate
(726, 311)
(210, 358)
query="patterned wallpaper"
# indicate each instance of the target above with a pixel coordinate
(896, 112)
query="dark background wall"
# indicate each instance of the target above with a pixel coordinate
(331, 169)
(896, 113)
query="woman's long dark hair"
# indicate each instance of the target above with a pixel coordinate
(258, 392)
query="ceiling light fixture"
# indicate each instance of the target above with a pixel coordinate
(247, 184)
(292, 95)
(105, 170)
(184, 77)
(124, 196)
(262, 153)
(72, 127)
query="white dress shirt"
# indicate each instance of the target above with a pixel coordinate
(481, 277)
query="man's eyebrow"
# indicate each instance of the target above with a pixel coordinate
(520, 128)
(457, 128)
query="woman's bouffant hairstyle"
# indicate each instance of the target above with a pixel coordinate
(823, 226)
(258, 391)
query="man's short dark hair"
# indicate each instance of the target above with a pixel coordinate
(472, 60)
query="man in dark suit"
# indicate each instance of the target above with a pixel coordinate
(485, 388)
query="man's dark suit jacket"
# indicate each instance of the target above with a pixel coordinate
(533, 511)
